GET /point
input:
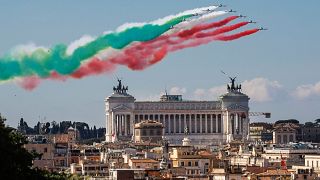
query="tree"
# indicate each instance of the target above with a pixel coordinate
(17, 161)
(95, 132)
(55, 127)
(37, 128)
(309, 124)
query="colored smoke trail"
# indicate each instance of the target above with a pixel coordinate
(159, 41)
(237, 36)
(220, 30)
(143, 55)
(190, 23)
(43, 62)
(202, 27)
(134, 45)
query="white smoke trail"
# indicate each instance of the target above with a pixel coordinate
(192, 22)
(167, 18)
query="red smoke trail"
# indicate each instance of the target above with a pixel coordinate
(221, 30)
(236, 36)
(221, 37)
(203, 27)
(29, 83)
(93, 67)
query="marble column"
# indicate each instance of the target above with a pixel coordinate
(217, 124)
(174, 124)
(206, 122)
(179, 129)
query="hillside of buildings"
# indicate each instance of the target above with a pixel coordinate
(85, 133)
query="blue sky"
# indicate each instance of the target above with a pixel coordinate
(279, 66)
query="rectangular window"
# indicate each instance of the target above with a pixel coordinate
(136, 117)
(167, 123)
(214, 122)
(198, 123)
(171, 124)
(177, 119)
(203, 122)
(182, 123)
(161, 120)
(189, 163)
(192, 127)
(209, 123)
(182, 164)
(188, 122)
(219, 124)
(128, 124)
(151, 132)
(196, 163)
(159, 132)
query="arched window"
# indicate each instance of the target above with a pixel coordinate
(285, 139)
(291, 138)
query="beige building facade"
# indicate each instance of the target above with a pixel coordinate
(151, 131)
(206, 122)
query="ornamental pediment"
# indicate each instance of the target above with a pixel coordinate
(237, 107)
(121, 107)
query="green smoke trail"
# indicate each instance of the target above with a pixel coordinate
(42, 62)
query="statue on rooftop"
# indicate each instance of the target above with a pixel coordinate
(120, 88)
(233, 87)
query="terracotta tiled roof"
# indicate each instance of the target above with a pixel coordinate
(143, 161)
(205, 153)
(256, 169)
(275, 173)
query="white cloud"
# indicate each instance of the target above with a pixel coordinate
(306, 91)
(199, 94)
(258, 89)
(178, 91)
(209, 94)
(261, 89)
(215, 92)
(79, 42)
